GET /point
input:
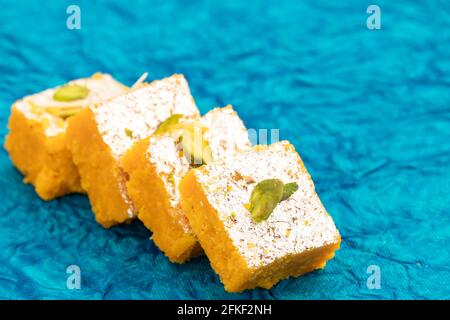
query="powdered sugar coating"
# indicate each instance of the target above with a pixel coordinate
(134, 116)
(226, 135)
(101, 87)
(297, 224)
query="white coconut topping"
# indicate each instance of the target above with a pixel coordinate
(297, 224)
(101, 87)
(226, 135)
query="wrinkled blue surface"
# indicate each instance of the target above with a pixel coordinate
(369, 112)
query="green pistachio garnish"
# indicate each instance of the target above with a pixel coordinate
(196, 148)
(172, 179)
(63, 112)
(264, 198)
(266, 195)
(129, 133)
(70, 92)
(289, 189)
(170, 124)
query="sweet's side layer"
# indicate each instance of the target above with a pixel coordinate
(293, 266)
(44, 161)
(150, 197)
(223, 255)
(100, 173)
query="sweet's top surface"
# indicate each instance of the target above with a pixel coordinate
(135, 115)
(225, 134)
(296, 224)
(52, 111)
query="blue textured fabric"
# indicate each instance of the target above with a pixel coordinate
(369, 112)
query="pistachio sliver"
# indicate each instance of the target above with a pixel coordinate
(264, 198)
(63, 112)
(171, 123)
(70, 92)
(172, 179)
(128, 132)
(196, 148)
(289, 189)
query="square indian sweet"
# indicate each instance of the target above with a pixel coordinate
(156, 165)
(101, 134)
(37, 132)
(258, 217)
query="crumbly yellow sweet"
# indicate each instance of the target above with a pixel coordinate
(36, 142)
(100, 135)
(156, 165)
(297, 237)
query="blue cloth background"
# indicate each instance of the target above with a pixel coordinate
(369, 112)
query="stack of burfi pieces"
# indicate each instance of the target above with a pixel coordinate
(194, 181)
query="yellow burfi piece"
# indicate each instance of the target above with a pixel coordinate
(100, 135)
(297, 237)
(37, 133)
(155, 167)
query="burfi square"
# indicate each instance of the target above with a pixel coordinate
(37, 132)
(156, 165)
(297, 237)
(100, 135)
